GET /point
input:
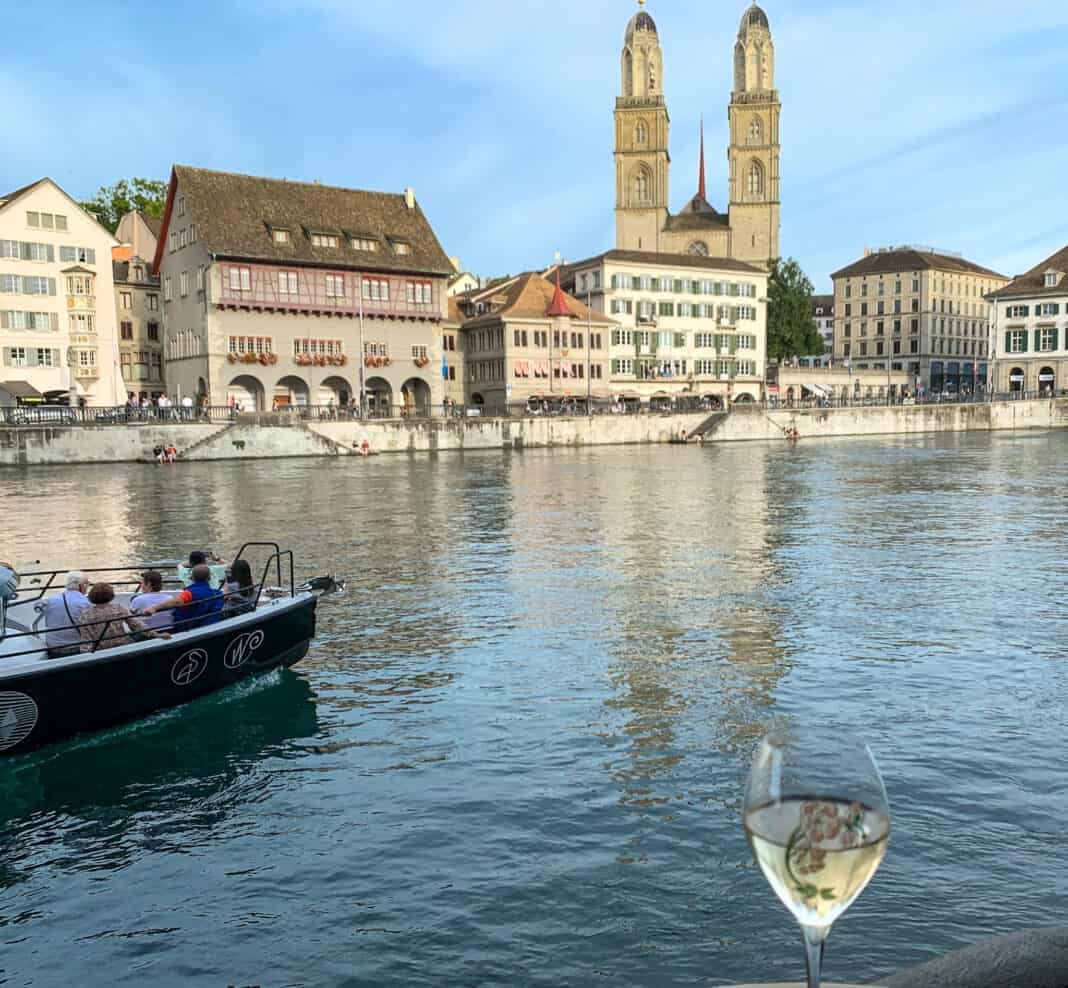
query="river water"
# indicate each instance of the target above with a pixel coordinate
(516, 753)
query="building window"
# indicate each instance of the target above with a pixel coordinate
(1051, 279)
(280, 236)
(46, 221)
(77, 284)
(240, 280)
(152, 302)
(756, 131)
(419, 353)
(1018, 311)
(401, 247)
(181, 205)
(323, 239)
(375, 290)
(1018, 341)
(183, 283)
(167, 296)
(126, 330)
(1047, 309)
(365, 244)
(200, 278)
(419, 293)
(153, 332)
(287, 283)
(755, 179)
(641, 133)
(125, 300)
(1047, 340)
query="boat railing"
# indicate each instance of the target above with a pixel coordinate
(276, 559)
(12, 632)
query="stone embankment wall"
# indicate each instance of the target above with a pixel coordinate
(270, 436)
(747, 424)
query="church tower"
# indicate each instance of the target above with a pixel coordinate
(754, 150)
(641, 155)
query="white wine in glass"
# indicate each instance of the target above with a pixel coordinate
(818, 821)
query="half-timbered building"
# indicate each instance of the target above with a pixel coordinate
(279, 293)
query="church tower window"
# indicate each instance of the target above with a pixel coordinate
(756, 131)
(628, 74)
(755, 179)
(641, 133)
(641, 186)
(698, 249)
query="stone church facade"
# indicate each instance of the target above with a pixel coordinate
(749, 230)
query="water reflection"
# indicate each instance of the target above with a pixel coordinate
(163, 784)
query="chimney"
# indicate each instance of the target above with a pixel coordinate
(409, 197)
(124, 252)
(867, 252)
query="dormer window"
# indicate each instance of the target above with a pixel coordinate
(181, 205)
(138, 273)
(1053, 278)
(323, 239)
(400, 246)
(280, 236)
(364, 243)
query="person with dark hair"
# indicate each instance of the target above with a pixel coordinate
(210, 559)
(152, 593)
(240, 590)
(107, 624)
(198, 605)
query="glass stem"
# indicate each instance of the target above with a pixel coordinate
(815, 939)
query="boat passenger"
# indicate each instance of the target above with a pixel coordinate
(198, 605)
(9, 582)
(61, 616)
(152, 593)
(108, 624)
(240, 590)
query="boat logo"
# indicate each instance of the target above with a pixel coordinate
(189, 668)
(240, 650)
(18, 718)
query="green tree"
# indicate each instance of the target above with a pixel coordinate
(113, 202)
(792, 331)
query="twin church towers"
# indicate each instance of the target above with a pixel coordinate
(749, 231)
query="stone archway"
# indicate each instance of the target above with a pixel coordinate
(415, 396)
(1016, 380)
(245, 393)
(291, 391)
(333, 391)
(379, 397)
(1047, 382)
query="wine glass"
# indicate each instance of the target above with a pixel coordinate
(818, 821)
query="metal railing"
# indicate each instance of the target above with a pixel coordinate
(883, 400)
(34, 586)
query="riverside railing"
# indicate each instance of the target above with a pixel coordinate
(62, 415)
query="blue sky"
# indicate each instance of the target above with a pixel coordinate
(940, 122)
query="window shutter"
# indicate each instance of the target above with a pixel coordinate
(90, 254)
(55, 358)
(1038, 341)
(51, 286)
(7, 356)
(1008, 342)
(31, 356)
(1055, 342)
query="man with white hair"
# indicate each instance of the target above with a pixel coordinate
(61, 617)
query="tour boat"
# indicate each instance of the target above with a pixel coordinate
(45, 700)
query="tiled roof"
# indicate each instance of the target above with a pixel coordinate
(1034, 281)
(152, 222)
(527, 296)
(825, 302)
(235, 215)
(675, 260)
(10, 197)
(698, 214)
(911, 259)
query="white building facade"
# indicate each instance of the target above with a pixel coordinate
(688, 325)
(1029, 329)
(58, 335)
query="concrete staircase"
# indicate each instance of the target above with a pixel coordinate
(184, 451)
(710, 424)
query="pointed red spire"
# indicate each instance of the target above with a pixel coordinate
(701, 175)
(558, 306)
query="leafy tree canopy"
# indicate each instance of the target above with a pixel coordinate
(113, 202)
(792, 331)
